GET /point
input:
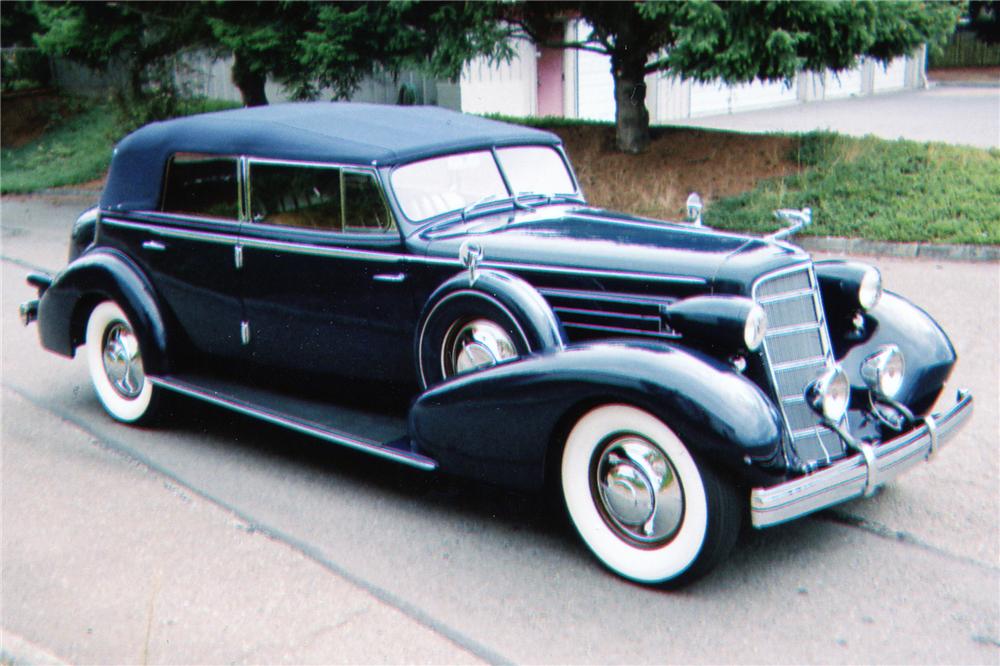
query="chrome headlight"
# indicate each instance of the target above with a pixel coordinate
(870, 289)
(848, 286)
(830, 394)
(883, 371)
(755, 328)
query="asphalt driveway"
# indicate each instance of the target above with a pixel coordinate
(968, 115)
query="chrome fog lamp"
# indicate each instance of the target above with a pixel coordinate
(755, 328)
(883, 371)
(870, 289)
(830, 394)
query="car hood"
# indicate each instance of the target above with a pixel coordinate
(594, 240)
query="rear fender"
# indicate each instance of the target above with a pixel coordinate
(497, 425)
(94, 277)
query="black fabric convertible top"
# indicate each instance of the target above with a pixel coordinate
(363, 134)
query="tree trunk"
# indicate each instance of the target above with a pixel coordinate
(250, 82)
(631, 116)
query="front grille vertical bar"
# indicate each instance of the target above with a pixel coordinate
(813, 443)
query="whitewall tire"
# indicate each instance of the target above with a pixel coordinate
(641, 502)
(115, 364)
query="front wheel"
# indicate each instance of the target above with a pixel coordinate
(641, 502)
(115, 364)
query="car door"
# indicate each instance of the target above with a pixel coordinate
(187, 247)
(324, 283)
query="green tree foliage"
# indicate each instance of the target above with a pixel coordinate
(352, 38)
(140, 38)
(308, 46)
(736, 42)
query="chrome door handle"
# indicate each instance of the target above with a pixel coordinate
(153, 245)
(389, 277)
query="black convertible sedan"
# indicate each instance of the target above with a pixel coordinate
(304, 263)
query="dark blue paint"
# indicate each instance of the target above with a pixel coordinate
(498, 425)
(101, 275)
(928, 352)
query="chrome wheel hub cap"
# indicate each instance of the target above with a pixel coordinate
(122, 362)
(637, 490)
(479, 343)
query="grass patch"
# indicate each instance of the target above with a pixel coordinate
(76, 147)
(880, 190)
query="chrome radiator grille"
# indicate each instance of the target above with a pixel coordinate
(592, 314)
(796, 349)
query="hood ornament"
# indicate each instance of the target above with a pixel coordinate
(471, 254)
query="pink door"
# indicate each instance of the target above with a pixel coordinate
(550, 82)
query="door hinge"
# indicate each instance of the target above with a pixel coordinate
(238, 255)
(245, 332)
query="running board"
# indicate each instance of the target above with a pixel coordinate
(398, 450)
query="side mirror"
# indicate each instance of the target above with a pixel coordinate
(694, 207)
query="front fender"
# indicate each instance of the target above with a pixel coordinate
(928, 353)
(497, 425)
(94, 277)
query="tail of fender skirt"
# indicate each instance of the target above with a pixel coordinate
(852, 477)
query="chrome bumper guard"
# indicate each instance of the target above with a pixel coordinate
(861, 473)
(28, 311)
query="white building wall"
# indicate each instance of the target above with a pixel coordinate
(505, 87)
(889, 77)
(588, 91)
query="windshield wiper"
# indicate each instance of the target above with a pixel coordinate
(549, 197)
(493, 198)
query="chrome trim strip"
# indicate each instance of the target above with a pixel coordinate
(171, 232)
(305, 427)
(605, 313)
(624, 331)
(388, 257)
(794, 328)
(389, 277)
(787, 296)
(848, 478)
(569, 270)
(606, 296)
(321, 250)
(801, 363)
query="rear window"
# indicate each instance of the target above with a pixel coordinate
(202, 185)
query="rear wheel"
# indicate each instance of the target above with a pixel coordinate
(115, 363)
(641, 502)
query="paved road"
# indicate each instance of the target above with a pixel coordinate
(950, 114)
(216, 539)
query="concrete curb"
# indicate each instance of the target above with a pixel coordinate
(937, 251)
(963, 84)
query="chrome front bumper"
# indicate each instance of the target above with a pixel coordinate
(854, 476)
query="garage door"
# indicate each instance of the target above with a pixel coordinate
(714, 98)
(595, 86)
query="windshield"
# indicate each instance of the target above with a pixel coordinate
(438, 185)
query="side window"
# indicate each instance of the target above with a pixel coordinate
(364, 208)
(317, 198)
(295, 196)
(204, 185)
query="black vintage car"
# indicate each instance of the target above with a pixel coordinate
(291, 262)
